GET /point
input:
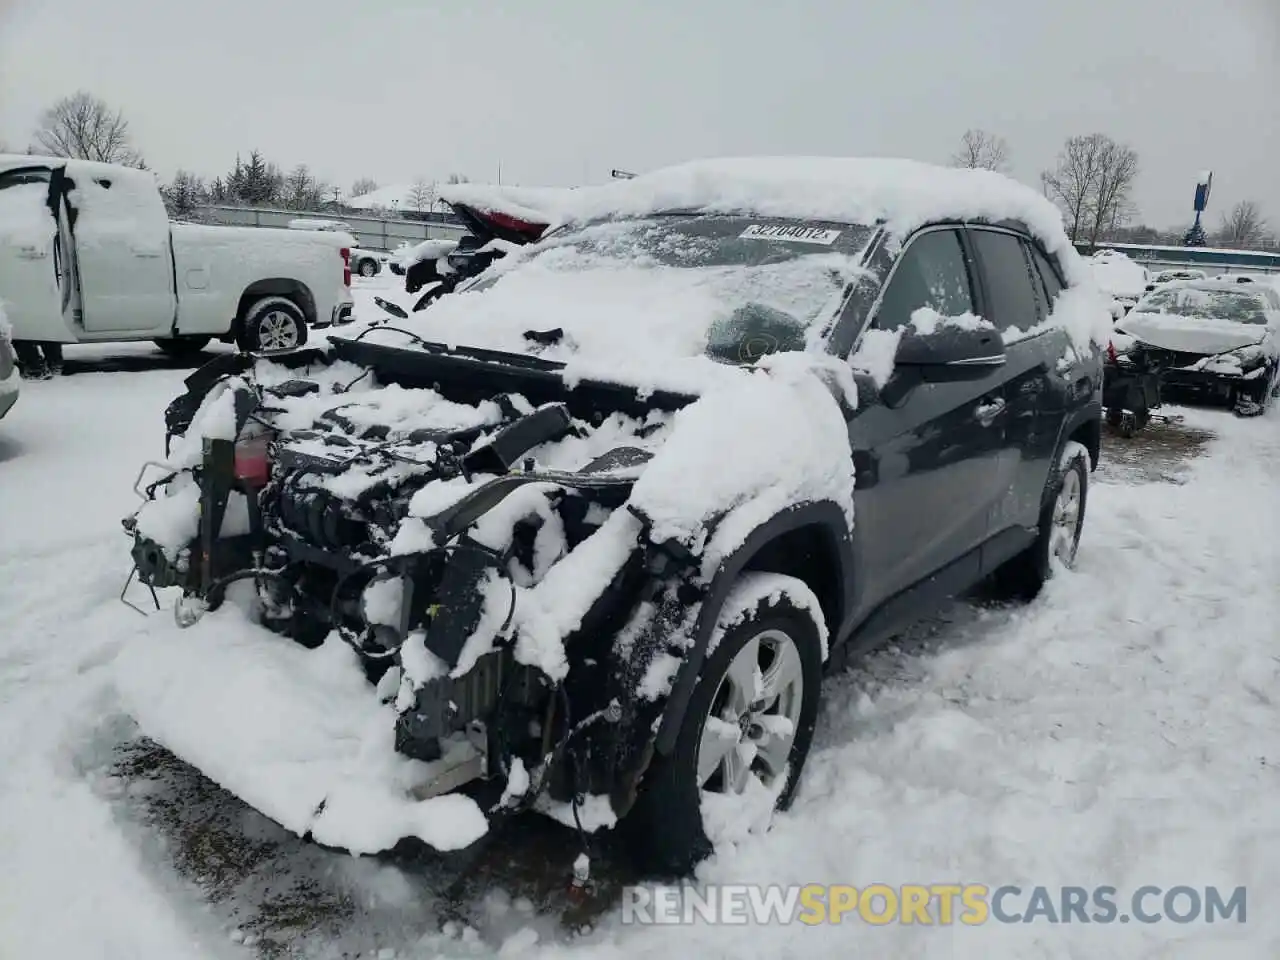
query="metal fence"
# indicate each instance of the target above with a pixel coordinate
(1212, 260)
(372, 233)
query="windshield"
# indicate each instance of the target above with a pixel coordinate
(1207, 304)
(731, 287)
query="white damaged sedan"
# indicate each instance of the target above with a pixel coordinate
(1210, 337)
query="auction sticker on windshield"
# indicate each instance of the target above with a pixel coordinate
(796, 234)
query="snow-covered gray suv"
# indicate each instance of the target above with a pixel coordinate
(587, 536)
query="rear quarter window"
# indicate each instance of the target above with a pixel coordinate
(1048, 272)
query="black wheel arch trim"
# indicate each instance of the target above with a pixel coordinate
(1089, 415)
(828, 520)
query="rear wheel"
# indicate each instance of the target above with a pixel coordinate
(1061, 523)
(368, 268)
(272, 325)
(182, 346)
(744, 738)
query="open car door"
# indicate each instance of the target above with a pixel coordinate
(33, 266)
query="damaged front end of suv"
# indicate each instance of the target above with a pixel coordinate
(469, 527)
(425, 549)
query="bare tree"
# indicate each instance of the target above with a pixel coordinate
(1072, 182)
(1117, 170)
(422, 195)
(980, 150)
(362, 186)
(1243, 226)
(301, 192)
(1091, 182)
(85, 127)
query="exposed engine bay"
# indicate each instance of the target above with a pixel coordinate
(445, 515)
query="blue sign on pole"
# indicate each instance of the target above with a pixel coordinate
(1195, 237)
(1202, 190)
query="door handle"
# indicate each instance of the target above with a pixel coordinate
(988, 410)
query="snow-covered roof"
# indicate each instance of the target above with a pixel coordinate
(534, 204)
(903, 193)
(11, 161)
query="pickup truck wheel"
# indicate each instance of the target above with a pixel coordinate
(368, 268)
(182, 346)
(743, 741)
(271, 325)
(1061, 523)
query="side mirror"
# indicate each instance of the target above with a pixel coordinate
(950, 353)
(947, 355)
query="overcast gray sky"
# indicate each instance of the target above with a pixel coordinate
(561, 91)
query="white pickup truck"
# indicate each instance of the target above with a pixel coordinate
(88, 255)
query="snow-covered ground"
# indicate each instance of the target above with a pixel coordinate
(1123, 730)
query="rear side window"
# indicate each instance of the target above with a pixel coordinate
(932, 272)
(1010, 289)
(1047, 273)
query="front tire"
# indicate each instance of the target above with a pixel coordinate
(745, 734)
(272, 325)
(368, 268)
(1061, 523)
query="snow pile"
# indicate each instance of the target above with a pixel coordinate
(1114, 273)
(297, 733)
(407, 254)
(746, 453)
(535, 205)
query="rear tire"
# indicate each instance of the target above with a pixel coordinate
(368, 268)
(272, 325)
(182, 346)
(1061, 522)
(665, 830)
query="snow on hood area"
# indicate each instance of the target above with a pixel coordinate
(626, 312)
(1199, 318)
(1191, 334)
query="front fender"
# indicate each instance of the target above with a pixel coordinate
(828, 520)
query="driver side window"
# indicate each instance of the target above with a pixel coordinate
(932, 272)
